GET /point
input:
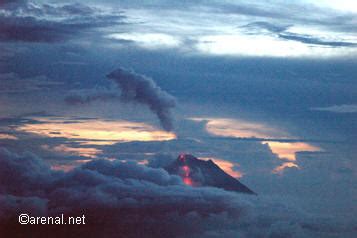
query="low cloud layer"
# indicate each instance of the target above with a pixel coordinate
(137, 201)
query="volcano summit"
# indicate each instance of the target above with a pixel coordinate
(197, 173)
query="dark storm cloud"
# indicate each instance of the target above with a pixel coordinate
(138, 88)
(27, 22)
(135, 201)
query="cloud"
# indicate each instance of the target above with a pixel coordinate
(5, 136)
(262, 32)
(133, 200)
(148, 40)
(11, 2)
(13, 83)
(281, 31)
(308, 39)
(290, 12)
(29, 22)
(345, 108)
(90, 95)
(258, 25)
(138, 88)
(93, 131)
(229, 127)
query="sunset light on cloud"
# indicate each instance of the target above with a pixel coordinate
(280, 169)
(81, 151)
(7, 136)
(97, 132)
(287, 150)
(226, 127)
(229, 127)
(66, 167)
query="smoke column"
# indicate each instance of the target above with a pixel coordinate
(138, 88)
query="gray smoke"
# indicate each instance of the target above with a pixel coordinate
(138, 88)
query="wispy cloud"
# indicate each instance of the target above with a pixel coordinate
(283, 31)
(243, 29)
(345, 108)
(14, 83)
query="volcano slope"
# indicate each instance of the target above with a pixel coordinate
(198, 173)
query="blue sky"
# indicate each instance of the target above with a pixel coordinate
(267, 89)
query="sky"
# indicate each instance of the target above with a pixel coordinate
(96, 97)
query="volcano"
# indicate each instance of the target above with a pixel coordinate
(198, 173)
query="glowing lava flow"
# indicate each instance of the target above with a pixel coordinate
(186, 172)
(186, 175)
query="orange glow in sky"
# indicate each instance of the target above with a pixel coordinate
(244, 129)
(97, 132)
(287, 150)
(63, 167)
(240, 128)
(68, 167)
(228, 127)
(7, 137)
(280, 169)
(81, 151)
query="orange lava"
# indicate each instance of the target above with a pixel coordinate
(186, 170)
(188, 181)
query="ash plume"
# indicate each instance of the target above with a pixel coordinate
(135, 88)
(138, 88)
